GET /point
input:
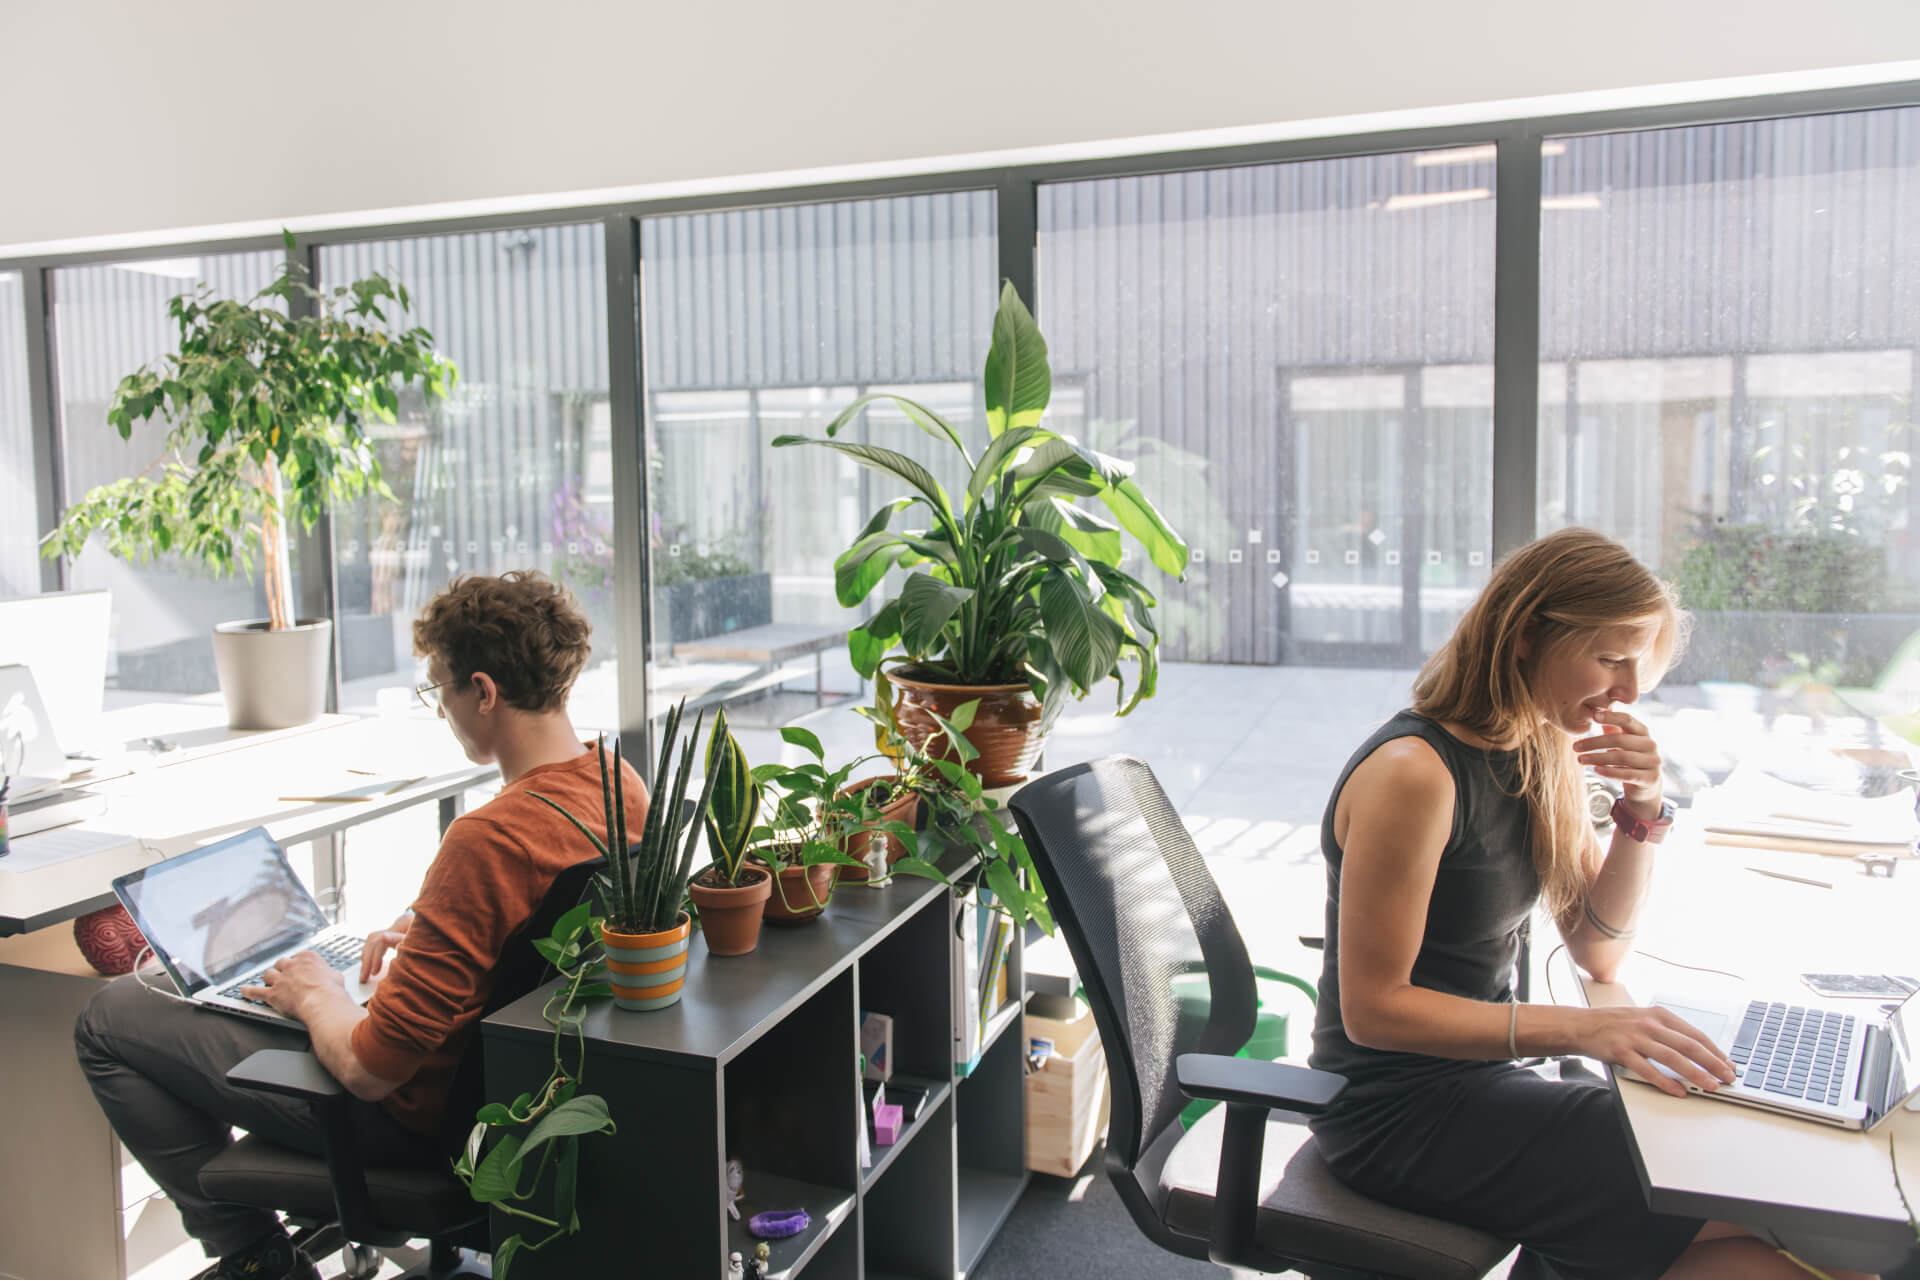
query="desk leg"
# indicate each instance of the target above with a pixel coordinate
(451, 807)
(819, 679)
(329, 866)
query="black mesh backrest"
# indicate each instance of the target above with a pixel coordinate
(521, 970)
(1138, 909)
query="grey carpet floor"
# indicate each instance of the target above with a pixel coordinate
(1079, 1228)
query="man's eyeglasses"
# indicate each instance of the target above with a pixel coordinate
(429, 696)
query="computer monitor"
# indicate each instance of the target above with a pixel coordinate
(62, 637)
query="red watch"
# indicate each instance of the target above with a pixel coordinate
(1638, 828)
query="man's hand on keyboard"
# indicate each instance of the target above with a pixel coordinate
(380, 942)
(294, 985)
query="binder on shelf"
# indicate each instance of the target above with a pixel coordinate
(966, 985)
(993, 971)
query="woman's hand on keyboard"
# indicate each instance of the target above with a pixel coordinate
(374, 956)
(1639, 1037)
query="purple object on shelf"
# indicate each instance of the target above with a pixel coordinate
(778, 1223)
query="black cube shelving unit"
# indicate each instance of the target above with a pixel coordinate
(759, 1062)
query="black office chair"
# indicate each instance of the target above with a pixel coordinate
(1246, 1186)
(336, 1201)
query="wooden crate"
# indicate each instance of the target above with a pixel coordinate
(1067, 1098)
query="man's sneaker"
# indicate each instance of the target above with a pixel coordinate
(271, 1256)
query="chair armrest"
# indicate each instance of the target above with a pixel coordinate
(1257, 1083)
(296, 1073)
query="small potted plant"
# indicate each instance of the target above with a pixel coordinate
(1015, 598)
(646, 930)
(802, 841)
(268, 403)
(731, 893)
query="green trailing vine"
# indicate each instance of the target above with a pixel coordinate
(540, 1131)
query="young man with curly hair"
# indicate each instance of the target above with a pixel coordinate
(502, 653)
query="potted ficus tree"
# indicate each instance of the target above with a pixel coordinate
(646, 930)
(267, 402)
(1014, 596)
(731, 892)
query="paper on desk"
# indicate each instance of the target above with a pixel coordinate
(359, 790)
(57, 845)
(1752, 803)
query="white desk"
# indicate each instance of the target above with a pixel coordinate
(1826, 1194)
(71, 1204)
(217, 783)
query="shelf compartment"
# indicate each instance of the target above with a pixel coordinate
(827, 1209)
(986, 1198)
(937, 1092)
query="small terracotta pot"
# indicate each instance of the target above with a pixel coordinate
(903, 809)
(793, 900)
(730, 914)
(1005, 729)
(647, 970)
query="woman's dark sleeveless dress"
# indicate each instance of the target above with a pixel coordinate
(1535, 1156)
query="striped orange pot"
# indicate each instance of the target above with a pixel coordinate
(647, 970)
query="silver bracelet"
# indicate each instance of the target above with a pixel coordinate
(1513, 1024)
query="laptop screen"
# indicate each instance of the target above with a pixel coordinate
(1902, 1077)
(212, 912)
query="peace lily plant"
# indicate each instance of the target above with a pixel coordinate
(1014, 580)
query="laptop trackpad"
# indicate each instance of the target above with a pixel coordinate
(1710, 1023)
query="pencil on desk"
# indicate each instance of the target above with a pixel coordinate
(1788, 876)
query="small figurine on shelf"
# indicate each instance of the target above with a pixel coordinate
(734, 1271)
(757, 1266)
(736, 1181)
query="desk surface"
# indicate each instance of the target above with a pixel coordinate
(217, 784)
(1826, 1192)
(770, 643)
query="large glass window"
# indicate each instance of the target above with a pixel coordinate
(1298, 357)
(110, 320)
(1729, 318)
(765, 322)
(19, 521)
(514, 471)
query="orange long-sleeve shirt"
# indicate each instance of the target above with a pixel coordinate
(493, 868)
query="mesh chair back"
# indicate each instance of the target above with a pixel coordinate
(1139, 909)
(521, 970)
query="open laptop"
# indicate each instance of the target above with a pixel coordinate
(218, 916)
(29, 752)
(1822, 1064)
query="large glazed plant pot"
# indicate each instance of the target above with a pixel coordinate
(273, 679)
(860, 845)
(800, 894)
(647, 970)
(1006, 728)
(730, 914)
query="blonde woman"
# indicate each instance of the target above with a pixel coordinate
(1447, 826)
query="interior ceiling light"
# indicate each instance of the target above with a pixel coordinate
(1579, 200)
(1482, 153)
(172, 268)
(1421, 200)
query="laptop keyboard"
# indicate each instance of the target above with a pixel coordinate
(1793, 1051)
(342, 952)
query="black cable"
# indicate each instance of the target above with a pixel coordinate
(1547, 969)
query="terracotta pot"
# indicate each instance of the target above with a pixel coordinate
(730, 914)
(647, 970)
(793, 900)
(1005, 729)
(904, 809)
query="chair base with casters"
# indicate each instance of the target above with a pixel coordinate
(1246, 1187)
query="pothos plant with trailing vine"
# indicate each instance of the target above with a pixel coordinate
(541, 1130)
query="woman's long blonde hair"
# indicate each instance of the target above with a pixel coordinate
(1555, 591)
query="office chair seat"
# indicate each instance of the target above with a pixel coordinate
(1305, 1211)
(422, 1201)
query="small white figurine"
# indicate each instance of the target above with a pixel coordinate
(735, 1272)
(736, 1180)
